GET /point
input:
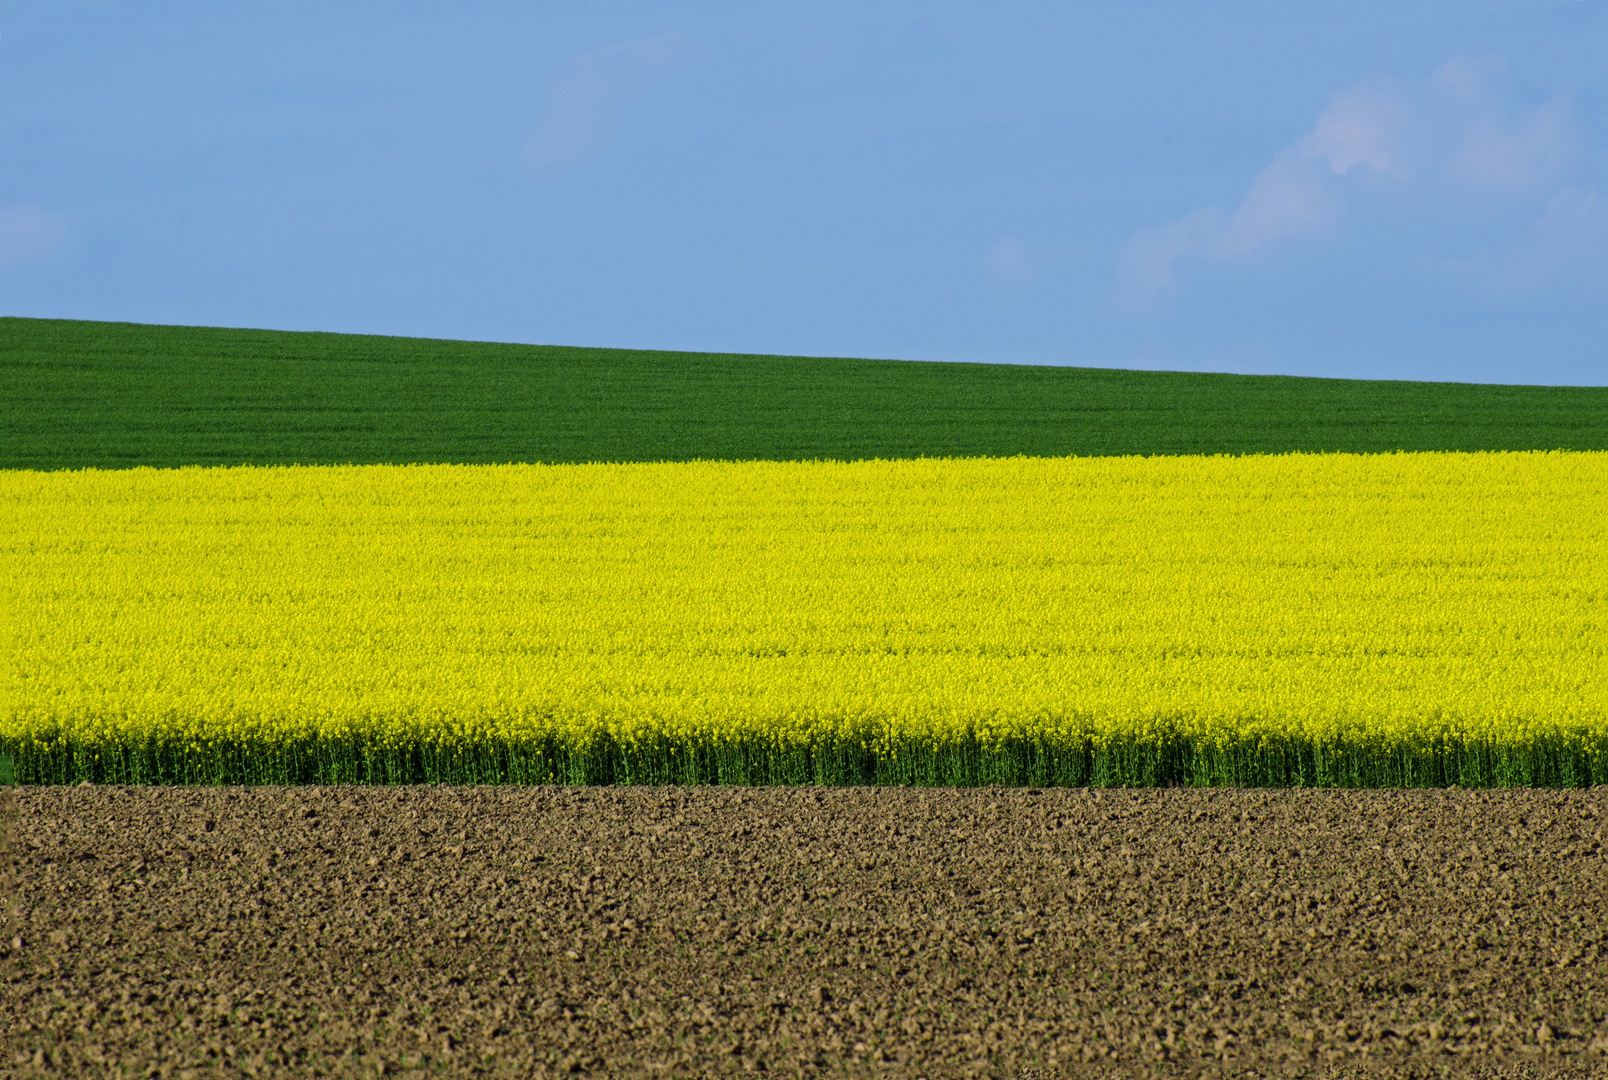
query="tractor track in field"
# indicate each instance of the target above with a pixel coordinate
(215, 932)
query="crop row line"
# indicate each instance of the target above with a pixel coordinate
(960, 762)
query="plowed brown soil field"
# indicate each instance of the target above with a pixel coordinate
(213, 932)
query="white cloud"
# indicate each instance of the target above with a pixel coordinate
(584, 99)
(29, 236)
(1287, 199)
(1290, 198)
(1455, 137)
(1013, 261)
(1146, 270)
(1527, 150)
(1362, 127)
(1471, 79)
(1564, 249)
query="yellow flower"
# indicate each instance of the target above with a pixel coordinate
(1370, 601)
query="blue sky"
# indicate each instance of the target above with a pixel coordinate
(1378, 190)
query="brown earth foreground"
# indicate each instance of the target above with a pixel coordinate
(891, 932)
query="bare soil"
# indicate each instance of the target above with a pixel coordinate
(214, 932)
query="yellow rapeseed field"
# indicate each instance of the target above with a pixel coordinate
(1340, 599)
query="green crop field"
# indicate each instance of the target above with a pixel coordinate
(108, 395)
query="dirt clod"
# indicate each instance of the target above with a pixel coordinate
(802, 932)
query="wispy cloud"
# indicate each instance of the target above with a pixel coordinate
(1008, 262)
(30, 237)
(1288, 199)
(1013, 261)
(1565, 249)
(1452, 135)
(1363, 126)
(584, 100)
(1525, 150)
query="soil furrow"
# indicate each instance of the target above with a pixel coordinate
(807, 931)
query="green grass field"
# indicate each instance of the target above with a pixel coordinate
(108, 395)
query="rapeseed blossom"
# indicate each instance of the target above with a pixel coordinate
(1379, 601)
